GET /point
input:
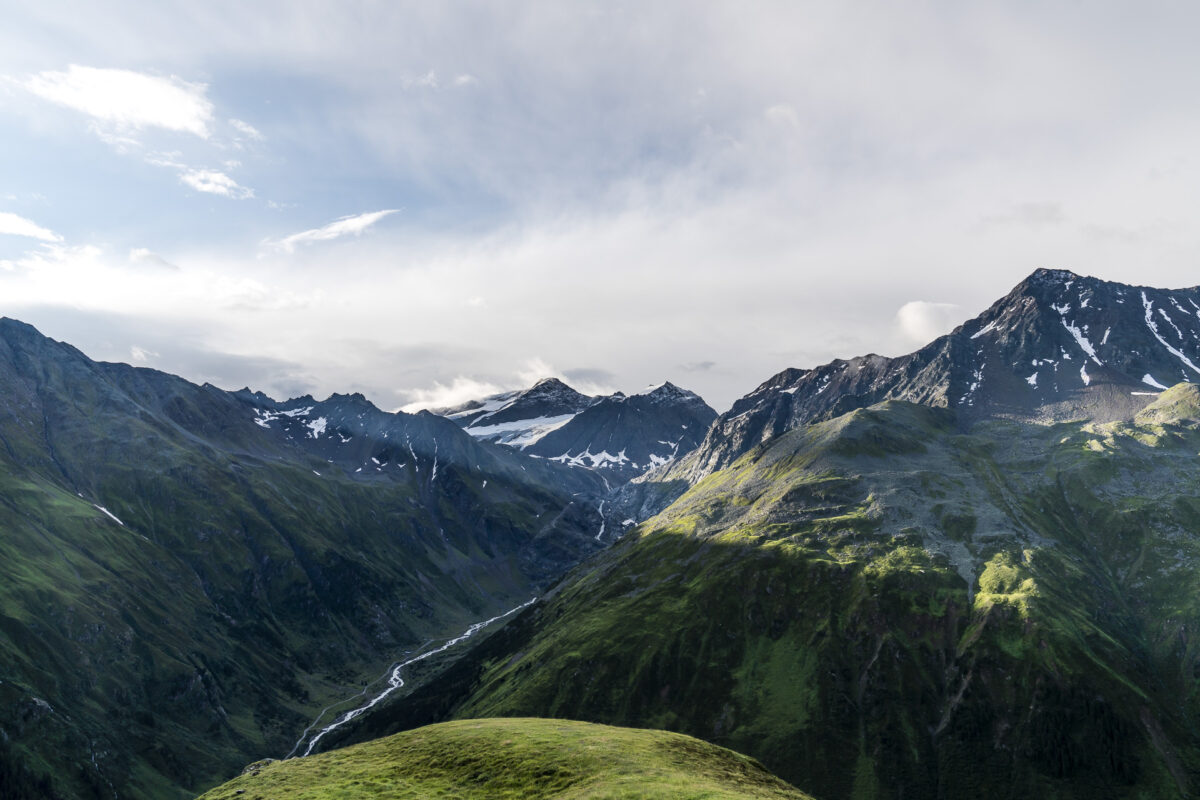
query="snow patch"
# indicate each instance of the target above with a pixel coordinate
(596, 460)
(1032, 379)
(1082, 341)
(1148, 379)
(1170, 321)
(110, 515)
(1149, 308)
(990, 326)
(317, 427)
(522, 432)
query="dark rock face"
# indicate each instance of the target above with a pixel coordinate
(1058, 346)
(617, 436)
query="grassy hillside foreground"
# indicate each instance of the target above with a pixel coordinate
(515, 758)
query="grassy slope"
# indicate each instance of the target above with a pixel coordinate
(521, 759)
(881, 606)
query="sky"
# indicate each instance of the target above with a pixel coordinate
(428, 202)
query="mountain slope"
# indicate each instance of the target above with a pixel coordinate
(188, 575)
(620, 437)
(882, 606)
(1058, 346)
(522, 759)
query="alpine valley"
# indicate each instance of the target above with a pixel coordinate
(970, 571)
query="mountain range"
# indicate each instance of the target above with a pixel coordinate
(616, 435)
(188, 575)
(966, 572)
(969, 571)
(1059, 346)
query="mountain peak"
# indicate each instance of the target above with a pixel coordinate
(550, 383)
(1058, 346)
(667, 391)
(1050, 275)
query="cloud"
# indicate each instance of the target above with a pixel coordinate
(14, 225)
(202, 180)
(346, 226)
(141, 256)
(213, 182)
(247, 130)
(920, 322)
(428, 80)
(591, 380)
(140, 354)
(1032, 214)
(128, 100)
(534, 370)
(698, 366)
(440, 395)
(783, 114)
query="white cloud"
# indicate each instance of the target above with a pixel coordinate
(141, 354)
(14, 225)
(920, 322)
(346, 226)
(247, 130)
(213, 182)
(783, 114)
(534, 370)
(460, 390)
(429, 80)
(144, 256)
(128, 100)
(203, 180)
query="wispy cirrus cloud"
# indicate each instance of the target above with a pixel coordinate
(346, 226)
(14, 225)
(213, 182)
(127, 100)
(210, 181)
(247, 130)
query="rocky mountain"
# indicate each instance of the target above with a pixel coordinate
(1059, 346)
(890, 604)
(189, 575)
(619, 437)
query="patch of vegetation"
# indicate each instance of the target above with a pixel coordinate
(516, 759)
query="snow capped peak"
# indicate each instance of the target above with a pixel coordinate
(550, 384)
(1044, 276)
(667, 391)
(623, 436)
